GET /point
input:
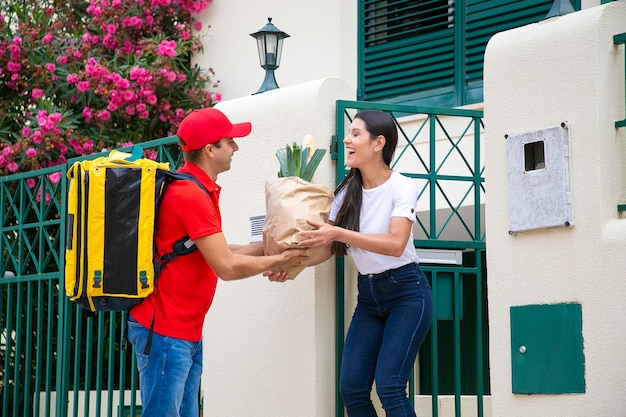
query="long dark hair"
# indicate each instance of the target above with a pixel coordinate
(377, 123)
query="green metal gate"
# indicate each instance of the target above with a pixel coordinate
(55, 360)
(441, 148)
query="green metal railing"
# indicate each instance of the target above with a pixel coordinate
(441, 148)
(56, 360)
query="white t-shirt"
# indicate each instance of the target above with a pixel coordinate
(397, 197)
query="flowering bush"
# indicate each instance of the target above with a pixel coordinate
(82, 76)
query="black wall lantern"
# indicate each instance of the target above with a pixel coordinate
(270, 45)
(560, 8)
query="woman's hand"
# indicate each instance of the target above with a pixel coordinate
(323, 234)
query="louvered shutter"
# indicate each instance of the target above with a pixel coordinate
(407, 47)
(406, 44)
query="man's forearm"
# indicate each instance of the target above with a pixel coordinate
(253, 249)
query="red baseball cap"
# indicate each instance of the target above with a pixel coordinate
(205, 126)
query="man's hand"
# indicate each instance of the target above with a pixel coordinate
(276, 276)
(294, 257)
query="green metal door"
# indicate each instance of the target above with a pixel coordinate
(442, 149)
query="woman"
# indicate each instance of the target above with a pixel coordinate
(372, 217)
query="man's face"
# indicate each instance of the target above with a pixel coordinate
(223, 153)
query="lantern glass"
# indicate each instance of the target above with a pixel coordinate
(270, 47)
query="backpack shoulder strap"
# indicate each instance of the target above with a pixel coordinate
(185, 245)
(182, 247)
(174, 175)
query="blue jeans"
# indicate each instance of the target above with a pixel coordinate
(393, 315)
(169, 377)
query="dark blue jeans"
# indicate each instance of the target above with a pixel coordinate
(393, 315)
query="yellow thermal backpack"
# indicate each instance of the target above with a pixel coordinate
(112, 207)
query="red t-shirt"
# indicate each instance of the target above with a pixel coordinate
(186, 286)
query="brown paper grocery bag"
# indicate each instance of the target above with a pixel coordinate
(289, 202)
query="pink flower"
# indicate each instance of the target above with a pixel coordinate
(110, 29)
(15, 52)
(55, 117)
(14, 66)
(122, 84)
(133, 21)
(54, 177)
(127, 48)
(37, 137)
(167, 48)
(42, 118)
(129, 96)
(51, 67)
(31, 152)
(103, 115)
(76, 146)
(47, 38)
(31, 183)
(197, 26)
(72, 78)
(109, 41)
(26, 131)
(83, 86)
(94, 10)
(87, 113)
(12, 166)
(167, 74)
(151, 154)
(37, 93)
(61, 60)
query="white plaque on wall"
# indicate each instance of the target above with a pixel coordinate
(538, 179)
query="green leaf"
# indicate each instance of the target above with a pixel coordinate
(298, 162)
(281, 154)
(309, 170)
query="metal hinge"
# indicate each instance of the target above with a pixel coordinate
(334, 147)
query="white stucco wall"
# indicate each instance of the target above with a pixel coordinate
(322, 42)
(269, 348)
(562, 69)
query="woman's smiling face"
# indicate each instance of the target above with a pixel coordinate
(358, 144)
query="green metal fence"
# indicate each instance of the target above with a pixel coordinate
(441, 148)
(55, 359)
